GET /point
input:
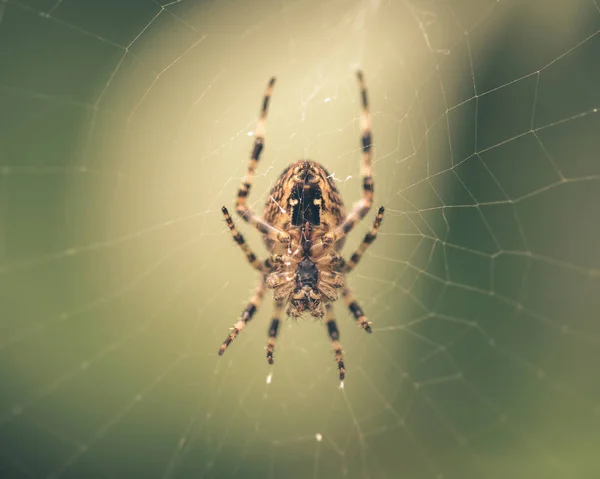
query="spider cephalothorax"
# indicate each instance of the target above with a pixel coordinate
(304, 226)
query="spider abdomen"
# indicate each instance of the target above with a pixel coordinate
(304, 191)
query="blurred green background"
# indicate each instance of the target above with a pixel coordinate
(125, 126)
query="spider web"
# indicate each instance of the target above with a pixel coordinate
(125, 128)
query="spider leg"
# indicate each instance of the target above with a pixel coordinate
(364, 205)
(239, 239)
(241, 203)
(273, 330)
(247, 314)
(334, 336)
(265, 266)
(356, 310)
(347, 266)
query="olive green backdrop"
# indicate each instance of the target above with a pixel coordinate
(125, 126)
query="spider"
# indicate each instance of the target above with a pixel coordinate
(304, 226)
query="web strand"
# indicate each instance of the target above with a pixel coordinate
(118, 277)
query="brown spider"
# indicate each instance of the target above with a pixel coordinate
(304, 226)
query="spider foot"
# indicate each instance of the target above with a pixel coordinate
(337, 348)
(224, 346)
(237, 327)
(227, 342)
(366, 325)
(342, 371)
(270, 352)
(272, 335)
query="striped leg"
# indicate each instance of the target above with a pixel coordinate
(241, 204)
(347, 266)
(364, 205)
(334, 335)
(239, 239)
(246, 315)
(356, 310)
(273, 330)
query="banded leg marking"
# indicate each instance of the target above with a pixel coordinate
(239, 239)
(246, 316)
(366, 242)
(356, 310)
(334, 336)
(273, 330)
(241, 206)
(364, 205)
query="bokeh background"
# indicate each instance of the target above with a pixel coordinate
(125, 126)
